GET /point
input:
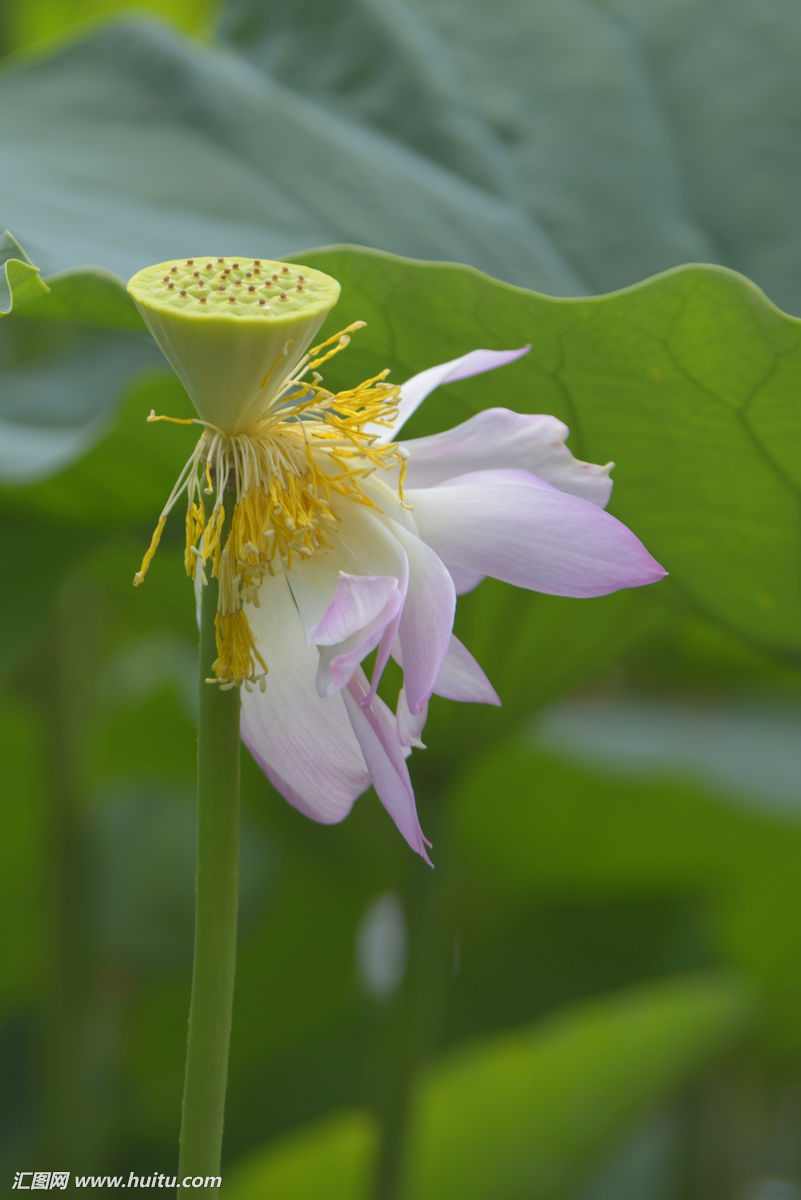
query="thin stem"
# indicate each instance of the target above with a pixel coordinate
(215, 915)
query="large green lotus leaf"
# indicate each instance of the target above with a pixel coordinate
(689, 381)
(136, 145)
(523, 1114)
(60, 386)
(639, 135)
(379, 62)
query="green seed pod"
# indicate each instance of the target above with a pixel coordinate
(233, 329)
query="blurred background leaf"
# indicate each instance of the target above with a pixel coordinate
(527, 1113)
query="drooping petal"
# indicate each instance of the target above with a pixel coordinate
(353, 625)
(426, 622)
(498, 438)
(375, 728)
(415, 390)
(461, 677)
(304, 743)
(519, 529)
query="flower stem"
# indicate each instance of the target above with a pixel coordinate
(215, 914)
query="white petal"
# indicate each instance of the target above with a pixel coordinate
(304, 743)
(519, 529)
(498, 438)
(415, 390)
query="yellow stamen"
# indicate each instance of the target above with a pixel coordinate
(279, 482)
(154, 416)
(151, 550)
(236, 651)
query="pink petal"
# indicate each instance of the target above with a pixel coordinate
(304, 744)
(415, 390)
(424, 631)
(515, 527)
(461, 678)
(497, 438)
(463, 580)
(374, 726)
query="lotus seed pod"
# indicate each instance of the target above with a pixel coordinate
(233, 329)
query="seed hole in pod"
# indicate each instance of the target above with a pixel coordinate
(183, 293)
(300, 279)
(283, 295)
(173, 270)
(221, 288)
(231, 300)
(170, 286)
(221, 260)
(235, 266)
(262, 302)
(190, 262)
(248, 274)
(257, 262)
(251, 288)
(285, 270)
(202, 300)
(166, 279)
(209, 267)
(299, 288)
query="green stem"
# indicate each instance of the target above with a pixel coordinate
(215, 915)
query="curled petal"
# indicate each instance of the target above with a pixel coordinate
(376, 730)
(362, 608)
(498, 438)
(415, 390)
(359, 600)
(281, 724)
(519, 529)
(363, 547)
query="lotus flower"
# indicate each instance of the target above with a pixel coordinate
(333, 540)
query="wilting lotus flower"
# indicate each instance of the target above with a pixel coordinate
(331, 539)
